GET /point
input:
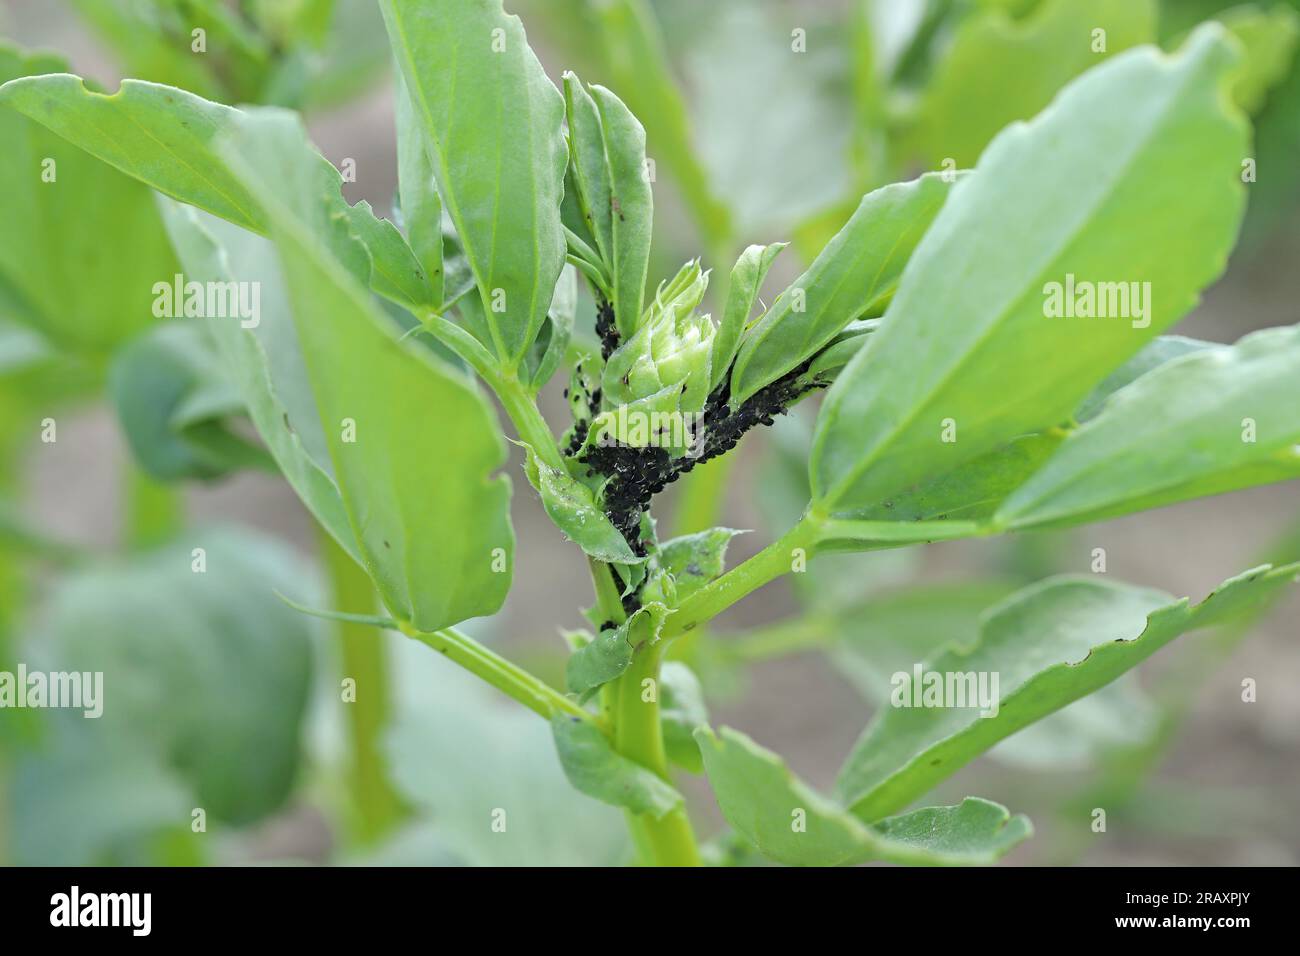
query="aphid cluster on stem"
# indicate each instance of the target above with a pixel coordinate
(606, 329)
(637, 474)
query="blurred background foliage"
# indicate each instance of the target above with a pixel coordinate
(766, 120)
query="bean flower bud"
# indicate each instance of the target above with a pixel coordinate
(655, 384)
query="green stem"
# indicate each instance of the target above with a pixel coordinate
(665, 842)
(154, 511)
(510, 679)
(791, 551)
(638, 735)
(607, 597)
(780, 557)
(519, 403)
(364, 658)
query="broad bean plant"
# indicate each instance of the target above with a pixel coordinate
(981, 351)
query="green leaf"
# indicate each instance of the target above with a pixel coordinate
(747, 277)
(998, 70)
(695, 560)
(144, 36)
(265, 362)
(464, 759)
(828, 363)
(393, 414)
(174, 405)
(65, 214)
(552, 345)
(637, 64)
(1086, 733)
(791, 823)
(1157, 352)
(974, 490)
(394, 271)
(632, 207)
(682, 711)
(747, 86)
(492, 123)
(167, 138)
(588, 184)
(854, 277)
(1214, 421)
(1273, 198)
(418, 192)
(572, 506)
(1269, 37)
(596, 769)
(1141, 143)
(84, 800)
(891, 631)
(609, 169)
(160, 135)
(216, 653)
(1049, 644)
(610, 654)
(976, 832)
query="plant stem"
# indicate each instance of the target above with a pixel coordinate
(364, 658)
(636, 727)
(699, 507)
(638, 735)
(607, 596)
(778, 558)
(521, 406)
(510, 679)
(154, 511)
